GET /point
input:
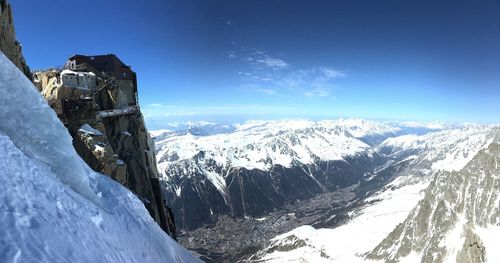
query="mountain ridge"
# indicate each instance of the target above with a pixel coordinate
(454, 205)
(389, 206)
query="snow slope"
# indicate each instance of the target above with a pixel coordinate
(361, 128)
(348, 242)
(428, 156)
(54, 207)
(447, 150)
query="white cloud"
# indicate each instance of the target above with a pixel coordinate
(312, 77)
(313, 82)
(231, 54)
(274, 63)
(318, 92)
(256, 89)
(332, 73)
(284, 79)
(179, 114)
(262, 58)
(159, 105)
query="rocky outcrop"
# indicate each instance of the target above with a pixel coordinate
(101, 113)
(444, 225)
(97, 151)
(473, 249)
(8, 43)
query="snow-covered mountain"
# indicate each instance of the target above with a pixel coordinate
(449, 149)
(260, 145)
(200, 128)
(54, 207)
(261, 165)
(458, 219)
(442, 206)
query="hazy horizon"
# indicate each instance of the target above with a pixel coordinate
(181, 123)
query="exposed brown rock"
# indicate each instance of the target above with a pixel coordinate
(473, 249)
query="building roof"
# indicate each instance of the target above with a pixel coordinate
(109, 57)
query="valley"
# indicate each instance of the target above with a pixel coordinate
(323, 193)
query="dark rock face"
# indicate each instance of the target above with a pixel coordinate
(130, 141)
(256, 193)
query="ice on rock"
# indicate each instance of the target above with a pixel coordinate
(87, 129)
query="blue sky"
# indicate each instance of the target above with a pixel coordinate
(235, 60)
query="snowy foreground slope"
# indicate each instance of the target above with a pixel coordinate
(54, 207)
(442, 207)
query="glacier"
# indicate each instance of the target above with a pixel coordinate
(54, 207)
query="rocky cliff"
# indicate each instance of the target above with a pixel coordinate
(101, 112)
(456, 219)
(8, 43)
